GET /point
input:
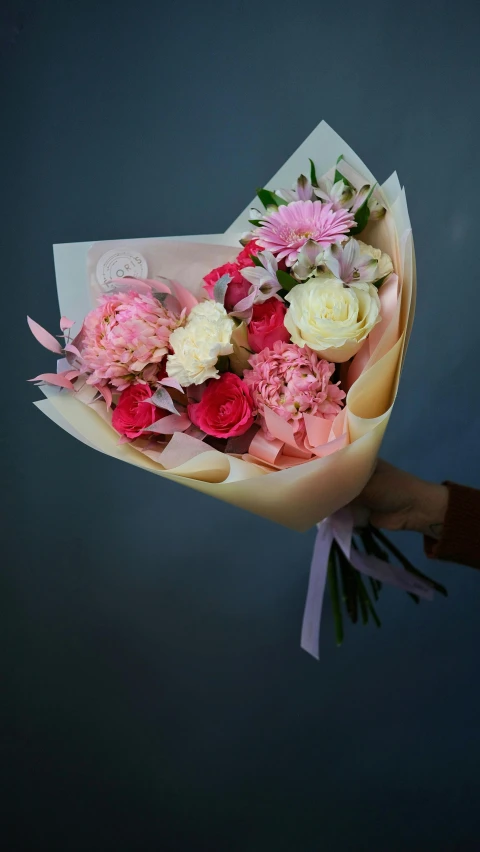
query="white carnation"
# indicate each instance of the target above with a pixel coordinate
(199, 344)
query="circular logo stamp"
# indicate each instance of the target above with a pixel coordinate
(120, 263)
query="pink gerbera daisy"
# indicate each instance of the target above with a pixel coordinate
(285, 231)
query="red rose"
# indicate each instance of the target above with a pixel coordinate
(132, 414)
(266, 325)
(225, 409)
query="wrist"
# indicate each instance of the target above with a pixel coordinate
(431, 510)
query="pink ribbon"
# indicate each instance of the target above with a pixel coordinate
(339, 528)
(284, 449)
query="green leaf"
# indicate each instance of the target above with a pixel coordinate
(313, 174)
(256, 261)
(338, 175)
(287, 281)
(255, 222)
(269, 198)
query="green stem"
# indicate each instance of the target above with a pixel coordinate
(406, 562)
(333, 584)
(371, 546)
(374, 586)
(348, 582)
(362, 596)
(368, 602)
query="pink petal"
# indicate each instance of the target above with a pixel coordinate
(66, 323)
(44, 337)
(106, 393)
(170, 424)
(172, 383)
(70, 347)
(59, 380)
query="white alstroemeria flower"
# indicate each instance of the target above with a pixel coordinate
(352, 266)
(339, 194)
(310, 257)
(385, 265)
(303, 191)
(377, 210)
(263, 278)
(264, 283)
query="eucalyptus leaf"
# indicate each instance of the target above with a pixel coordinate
(162, 399)
(269, 198)
(287, 281)
(220, 288)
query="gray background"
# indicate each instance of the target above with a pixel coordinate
(154, 694)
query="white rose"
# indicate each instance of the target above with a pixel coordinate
(330, 318)
(385, 265)
(199, 344)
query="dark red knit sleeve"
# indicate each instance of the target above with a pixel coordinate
(460, 539)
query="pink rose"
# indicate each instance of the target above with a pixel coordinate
(132, 414)
(227, 269)
(236, 290)
(225, 409)
(245, 257)
(239, 286)
(266, 325)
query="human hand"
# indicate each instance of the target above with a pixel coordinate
(397, 500)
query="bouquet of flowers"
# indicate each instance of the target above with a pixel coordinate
(260, 368)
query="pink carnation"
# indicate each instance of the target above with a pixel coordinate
(126, 338)
(286, 230)
(293, 382)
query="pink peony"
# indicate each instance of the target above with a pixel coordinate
(293, 382)
(286, 230)
(133, 414)
(266, 325)
(126, 338)
(225, 409)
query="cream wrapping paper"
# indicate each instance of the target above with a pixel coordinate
(297, 497)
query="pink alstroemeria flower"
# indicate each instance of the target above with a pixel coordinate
(349, 265)
(339, 194)
(264, 285)
(303, 191)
